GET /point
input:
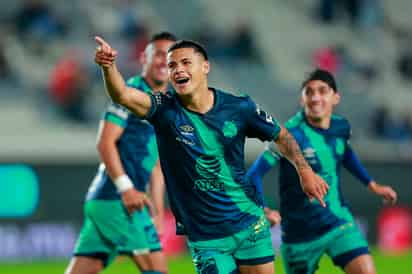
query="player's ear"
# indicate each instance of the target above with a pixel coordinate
(206, 67)
(146, 54)
(143, 57)
(302, 103)
(336, 98)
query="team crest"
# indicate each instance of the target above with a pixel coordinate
(229, 129)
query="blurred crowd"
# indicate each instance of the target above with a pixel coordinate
(368, 18)
(46, 53)
(42, 50)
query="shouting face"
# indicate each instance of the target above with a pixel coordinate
(188, 70)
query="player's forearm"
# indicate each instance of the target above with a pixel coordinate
(157, 189)
(352, 163)
(158, 201)
(135, 100)
(115, 84)
(290, 149)
(372, 186)
(110, 157)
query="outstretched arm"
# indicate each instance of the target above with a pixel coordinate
(137, 101)
(352, 163)
(312, 184)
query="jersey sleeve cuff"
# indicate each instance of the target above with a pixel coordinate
(112, 118)
(154, 102)
(276, 133)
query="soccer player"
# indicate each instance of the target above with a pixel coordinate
(308, 229)
(117, 220)
(201, 134)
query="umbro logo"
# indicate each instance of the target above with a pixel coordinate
(309, 152)
(186, 128)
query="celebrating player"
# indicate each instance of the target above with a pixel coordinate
(201, 134)
(117, 220)
(308, 229)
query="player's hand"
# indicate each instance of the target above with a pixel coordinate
(273, 216)
(105, 55)
(314, 186)
(386, 192)
(135, 200)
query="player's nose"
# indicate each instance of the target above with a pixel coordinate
(315, 97)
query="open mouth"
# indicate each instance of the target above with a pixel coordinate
(182, 80)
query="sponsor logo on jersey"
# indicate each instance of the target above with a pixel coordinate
(209, 168)
(263, 114)
(185, 141)
(186, 129)
(259, 230)
(310, 155)
(209, 185)
(309, 152)
(229, 129)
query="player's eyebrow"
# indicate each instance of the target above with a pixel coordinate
(184, 59)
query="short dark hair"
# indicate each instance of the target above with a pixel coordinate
(181, 44)
(164, 35)
(322, 75)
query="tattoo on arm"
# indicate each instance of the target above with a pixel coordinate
(290, 149)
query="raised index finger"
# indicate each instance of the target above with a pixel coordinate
(102, 43)
(319, 197)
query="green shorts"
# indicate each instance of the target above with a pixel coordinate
(342, 244)
(108, 230)
(251, 246)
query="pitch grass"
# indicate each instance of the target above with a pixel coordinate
(385, 264)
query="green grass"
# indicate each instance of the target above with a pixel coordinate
(182, 265)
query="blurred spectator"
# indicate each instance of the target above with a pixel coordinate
(386, 125)
(35, 19)
(208, 36)
(5, 71)
(327, 58)
(380, 121)
(243, 43)
(330, 10)
(371, 14)
(364, 14)
(68, 87)
(338, 60)
(239, 45)
(404, 65)
(137, 38)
